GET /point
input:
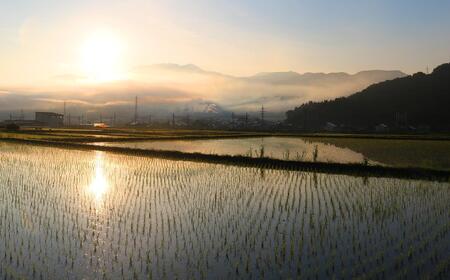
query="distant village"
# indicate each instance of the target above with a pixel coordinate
(57, 120)
(229, 121)
(257, 121)
(234, 121)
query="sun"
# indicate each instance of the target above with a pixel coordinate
(100, 56)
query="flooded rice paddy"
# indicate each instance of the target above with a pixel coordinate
(398, 153)
(86, 214)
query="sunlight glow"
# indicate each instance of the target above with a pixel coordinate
(100, 56)
(99, 185)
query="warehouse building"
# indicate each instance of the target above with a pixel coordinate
(50, 119)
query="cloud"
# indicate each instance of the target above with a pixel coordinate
(69, 77)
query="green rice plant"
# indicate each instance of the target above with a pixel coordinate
(67, 213)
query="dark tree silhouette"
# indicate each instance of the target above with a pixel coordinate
(415, 100)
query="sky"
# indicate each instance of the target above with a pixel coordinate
(79, 46)
(98, 54)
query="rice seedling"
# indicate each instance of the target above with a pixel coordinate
(93, 214)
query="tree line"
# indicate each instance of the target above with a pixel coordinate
(416, 100)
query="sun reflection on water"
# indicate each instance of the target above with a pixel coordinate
(99, 185)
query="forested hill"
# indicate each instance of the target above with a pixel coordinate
(419, 99)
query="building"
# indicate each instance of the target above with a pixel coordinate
(50, 119)
(329, 126)
(381, 128)
(27, 123)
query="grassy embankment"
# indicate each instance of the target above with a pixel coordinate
(139, 134)
(394, 152)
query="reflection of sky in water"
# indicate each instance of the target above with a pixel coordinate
(156, 217)
(402, 153)
(99, 185)
(276, 147)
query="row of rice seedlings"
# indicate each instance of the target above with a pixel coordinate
(78, 214)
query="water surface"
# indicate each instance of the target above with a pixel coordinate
(403, 153)
(288, 148)
(87, 214)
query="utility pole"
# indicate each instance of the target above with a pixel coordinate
(173, 119)
(64, 116)
(135, 110)
(262, 114)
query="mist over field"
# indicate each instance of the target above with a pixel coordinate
(165, 88)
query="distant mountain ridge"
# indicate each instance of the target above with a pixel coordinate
(289, 77)
(271, 89)
(419, 99)
(308, 77)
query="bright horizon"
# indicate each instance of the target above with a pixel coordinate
(98, 55)
(41, 41)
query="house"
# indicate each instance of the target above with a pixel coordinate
(27, 123)
(329, 126)
(381, 128)
(50, 119)
(423, 128)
